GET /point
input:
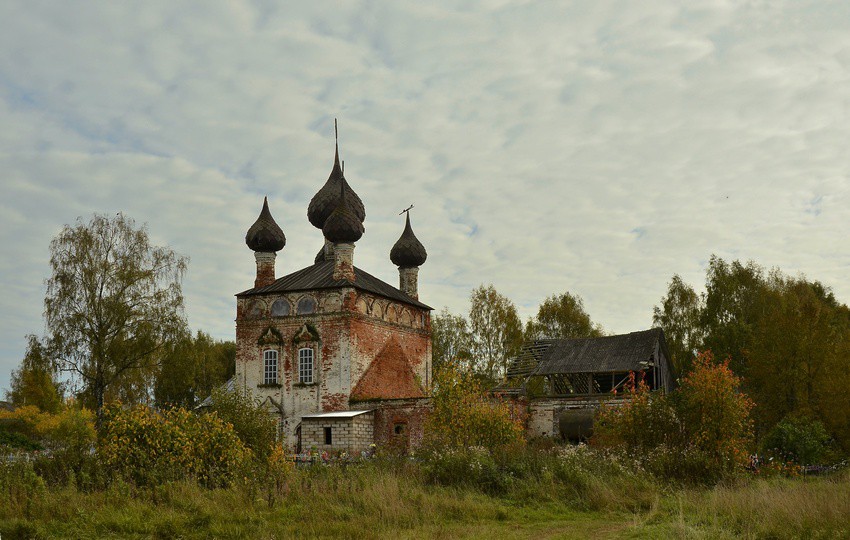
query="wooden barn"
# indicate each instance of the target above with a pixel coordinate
(565, 380)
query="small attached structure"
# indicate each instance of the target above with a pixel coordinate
(351, 431)
(570, 377)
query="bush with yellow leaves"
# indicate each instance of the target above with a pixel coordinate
(149, 447)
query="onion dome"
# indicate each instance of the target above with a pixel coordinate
(265, 235)
(343, 225)
(408, 251)
(326, 199)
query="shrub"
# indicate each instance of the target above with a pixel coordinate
(798, 440)
(250, 420)
(700, 432)
(464, 416)
(20, 487)
(150, 448)
(67, 437)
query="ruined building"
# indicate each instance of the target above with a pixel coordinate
(562, 382)
(340, 357)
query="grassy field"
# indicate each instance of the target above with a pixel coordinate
(387, 502)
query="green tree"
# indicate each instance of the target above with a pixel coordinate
(451, 341)
(679, 317)
(788, 338)
(562, 316)
(734, 300)
(34, 382)
(496, 331)
(113, 304)
(251, 420)
(192, 369)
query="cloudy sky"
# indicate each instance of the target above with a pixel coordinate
(594, 147)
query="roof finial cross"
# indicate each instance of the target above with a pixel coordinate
(406, 210)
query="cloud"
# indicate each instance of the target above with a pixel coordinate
(597, 148)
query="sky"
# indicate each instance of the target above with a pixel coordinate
(592, 147)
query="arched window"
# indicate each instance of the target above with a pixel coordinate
(305, 365)
(306, 306)
(270, 367)
(280, 308)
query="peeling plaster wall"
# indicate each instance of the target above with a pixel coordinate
(352, 328)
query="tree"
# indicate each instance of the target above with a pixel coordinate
(250, 419)
(465, 416)
(34, 383)
(451, 341)
(788, 338)
(679, 317)
(113, 303)
(192, 369)
(562, 316)
(733, 302)
(496, 331)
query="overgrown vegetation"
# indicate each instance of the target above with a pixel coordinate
(564, 492)
(699, 433)
(149, 448)
(786, 337)
(465, 416)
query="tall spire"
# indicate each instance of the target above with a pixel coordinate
(343, 225)
(327, 198)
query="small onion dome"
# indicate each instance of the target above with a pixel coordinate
(326, 199)
(343, 225)
(265, 235)
(408, 251)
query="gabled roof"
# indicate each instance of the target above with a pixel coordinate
(622, 353)
(389, 376)
(320, 276)
(626, 352)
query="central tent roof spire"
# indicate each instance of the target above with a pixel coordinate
(325, 201)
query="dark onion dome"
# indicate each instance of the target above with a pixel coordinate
(265, 235)
(343, 225)
(408, 251)
(326, 199)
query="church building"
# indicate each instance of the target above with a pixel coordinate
(340, 357)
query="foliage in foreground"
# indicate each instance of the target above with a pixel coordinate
(65, 437)
(148, 447)
(700, 432)
(250, 420)
(395, 499)
(465, 416)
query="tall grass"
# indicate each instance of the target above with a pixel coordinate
(558, 493)
(776, 508)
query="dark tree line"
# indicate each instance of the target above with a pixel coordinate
(787, 337)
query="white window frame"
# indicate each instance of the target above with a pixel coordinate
(305, 370)
(270, 366)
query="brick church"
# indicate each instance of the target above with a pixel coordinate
(340, 357)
